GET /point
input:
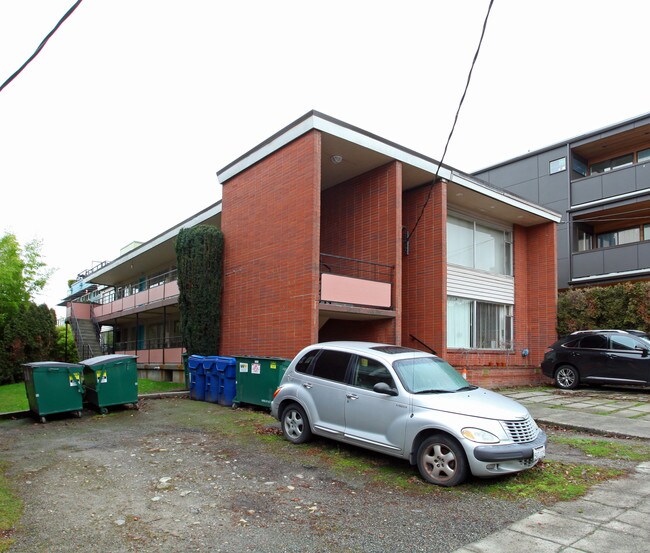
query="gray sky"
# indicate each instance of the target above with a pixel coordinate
(115, 131)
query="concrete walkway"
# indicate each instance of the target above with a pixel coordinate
(613, 516)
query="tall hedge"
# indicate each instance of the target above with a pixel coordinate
(199, 257)
(621, 306)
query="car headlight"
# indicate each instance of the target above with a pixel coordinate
(478, 435)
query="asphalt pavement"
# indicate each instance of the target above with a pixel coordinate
(613, 515)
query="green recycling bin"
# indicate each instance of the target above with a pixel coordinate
(257, 378)
(111, 380)
(53, 387)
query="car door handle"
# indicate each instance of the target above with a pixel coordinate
(307, 385)
(352, 396)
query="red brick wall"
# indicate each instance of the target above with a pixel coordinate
(361, 219)
(536, 313)
(271, 226)
(424, 276)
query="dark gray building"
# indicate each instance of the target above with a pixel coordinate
(600, 183)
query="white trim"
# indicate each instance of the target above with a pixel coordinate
(610, 275)
(358, 137)
(609, 199)
(196, 219)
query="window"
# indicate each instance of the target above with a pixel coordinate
(583, 237)
(332, 365)
(303, 365)
(478, 325)
(478, 246)
(557, 166)
(596, 341)
(624, 342)
(619, 237)
(643, 156)
(369, 372)
(610, 164)
(579, 166)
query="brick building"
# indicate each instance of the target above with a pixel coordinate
(334, 233)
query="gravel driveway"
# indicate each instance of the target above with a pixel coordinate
(173, 477)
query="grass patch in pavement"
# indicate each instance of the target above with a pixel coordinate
(11, 509)
(606, 449)
(146, 386)
(548, 482)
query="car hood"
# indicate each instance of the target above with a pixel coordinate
(474, 403)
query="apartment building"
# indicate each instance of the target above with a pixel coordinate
(334, 233)
(600, 183)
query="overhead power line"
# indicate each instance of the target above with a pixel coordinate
(453, 127)
(41, 45)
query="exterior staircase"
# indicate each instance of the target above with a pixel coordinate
(86, 337)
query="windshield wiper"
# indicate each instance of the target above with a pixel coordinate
(434, 391)
(468, 387)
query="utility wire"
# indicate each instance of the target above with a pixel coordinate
(41, 45)
(453, 127)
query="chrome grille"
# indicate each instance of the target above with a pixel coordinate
(521, 432)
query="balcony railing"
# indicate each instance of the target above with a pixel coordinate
(626, 180)
(627, 258)
(355, 282)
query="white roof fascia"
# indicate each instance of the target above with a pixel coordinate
(196, 219)
(505, 198)
(314, 121)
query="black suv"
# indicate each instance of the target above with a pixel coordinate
(616, 357)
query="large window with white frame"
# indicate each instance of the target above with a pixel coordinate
(473, 324)
(479, 246)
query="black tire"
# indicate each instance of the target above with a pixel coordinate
(295, 424)
(566, 377)
(442, 461)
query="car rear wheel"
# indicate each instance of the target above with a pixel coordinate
(441, 461)
(566, 377)
(295, 425)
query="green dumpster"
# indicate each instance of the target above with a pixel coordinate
(257, 378)
(111, 380)
(53, 387)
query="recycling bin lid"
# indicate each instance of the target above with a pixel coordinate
(53, 364)
(103, 359)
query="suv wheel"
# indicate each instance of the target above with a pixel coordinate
(441, 461)
(295, 425)
(566, 377)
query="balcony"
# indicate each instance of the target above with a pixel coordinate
(624, 181)
(152, 292)
(355, 287)
(611, 263)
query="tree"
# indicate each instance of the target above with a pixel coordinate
(27, 330)
(199, 257)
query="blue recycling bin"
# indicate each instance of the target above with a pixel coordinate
(220, 379)
(197, 377)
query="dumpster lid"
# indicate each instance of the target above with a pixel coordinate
(53, 364)
(101, 359)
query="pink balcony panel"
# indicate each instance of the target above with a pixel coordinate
(357, 291)
(171, 289)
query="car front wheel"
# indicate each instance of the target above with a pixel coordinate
(566, 377)
(295, 425)
(441, 461)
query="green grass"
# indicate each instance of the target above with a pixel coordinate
(606, 449)
(13, 397)
(146, 386)
(11, 509)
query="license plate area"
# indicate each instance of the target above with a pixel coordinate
(539, 453)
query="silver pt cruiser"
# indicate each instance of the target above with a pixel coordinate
(409, 404)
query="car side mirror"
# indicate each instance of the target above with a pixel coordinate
(383, 388)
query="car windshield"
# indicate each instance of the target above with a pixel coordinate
(422, 375)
